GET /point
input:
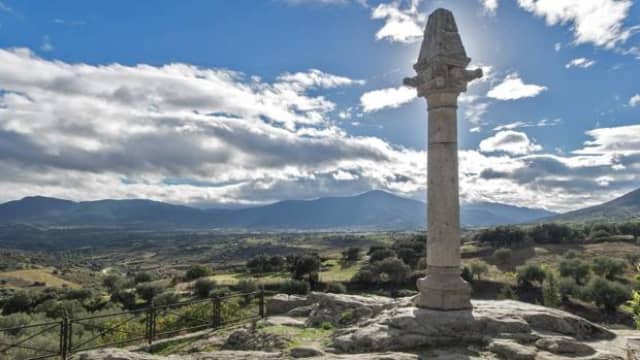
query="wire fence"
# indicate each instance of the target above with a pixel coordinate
(60, 339)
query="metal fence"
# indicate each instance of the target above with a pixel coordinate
(73, 335)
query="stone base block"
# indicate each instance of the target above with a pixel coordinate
(443, 289)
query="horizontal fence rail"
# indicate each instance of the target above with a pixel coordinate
(60, 339)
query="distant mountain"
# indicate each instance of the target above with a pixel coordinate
(623, 208)
(371, 210)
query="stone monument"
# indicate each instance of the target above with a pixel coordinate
(441, 77)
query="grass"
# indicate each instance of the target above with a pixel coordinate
(339, 272)
(307, 336)
(43, 275)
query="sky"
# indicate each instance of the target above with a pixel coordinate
(240, 103)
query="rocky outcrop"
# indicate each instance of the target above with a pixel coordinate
(244, 339)
(510, 328)
(283, 303)
(340, 309)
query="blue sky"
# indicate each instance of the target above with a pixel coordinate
(217, 103)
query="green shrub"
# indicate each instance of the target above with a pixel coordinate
(202, 288)
(606, 294)
(567, 287)
(507, 293)
(246, 286)
(577, 269)
(608, 267)
(381, 254)
(392, 270)
(478, 268)
(351, 254)
(466, 274)
(147, 292)
(21, 301)
(298, 287)
(336, 288)
(502, 256)
(550, 291)
(529, 274)
(197, 271)
(166, 298)
(142, 277)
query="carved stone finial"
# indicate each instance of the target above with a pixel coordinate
(442, 62)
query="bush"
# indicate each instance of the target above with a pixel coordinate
(297, 287)
(392, 270)
(507, 293)
(21, 301)
(466, 274)
(365, 276)
(478, 268)
(197, 271)
(351, 254)
(576, 269)
(113, 283)
(126, 298)
(246, 286)
(166, 298)
(336, 288)
(608, 267)
(202, 287)
(567, 287)
(530, 273)
(552, 233)
(142, 277)
(502, 236)
(381, 254)
(607, 295)
(502, 256)
(305, 265)
(550, 292)
(148, 292)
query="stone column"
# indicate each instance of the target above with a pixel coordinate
(442, 76)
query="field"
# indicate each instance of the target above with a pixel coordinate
(35, 277)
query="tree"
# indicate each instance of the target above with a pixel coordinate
(550, 291)
(478, 268)
(147, 292)
(166, 298)
(381, 254)
(365, 276)
(606, 294)
(530, 273)
(608, 267)
(113, 283)
(124, 297)
(336, 288)
(21, 301)
(576, 269)
(202, 287)
(502, 256)
(567, 287)
(502, 236)
(392, 270)
(142, 277)
(305, 265)
(351, 254)
(297, 287)
(197, 271)
(246, 286)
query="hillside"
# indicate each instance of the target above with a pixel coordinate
(623, 208)
(371, 210)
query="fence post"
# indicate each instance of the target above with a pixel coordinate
(261, 303)
(217, 304)
(152, 324)
(69, 349)
(64, 337)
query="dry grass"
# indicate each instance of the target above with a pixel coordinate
(43, 275)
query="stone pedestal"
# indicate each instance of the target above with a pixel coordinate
(441, 77)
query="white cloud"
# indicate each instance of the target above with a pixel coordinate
(490, 6)
(582, 63)
(510, 142)
(4, 7)
(183, 134)
(403, 25)
(387, 98)
(557, 46)
(46, 45)
(634, 100)
(513, 88)
(600, 22)
(526, 124)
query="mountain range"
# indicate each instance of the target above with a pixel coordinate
(625, 207)
(370, 210)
